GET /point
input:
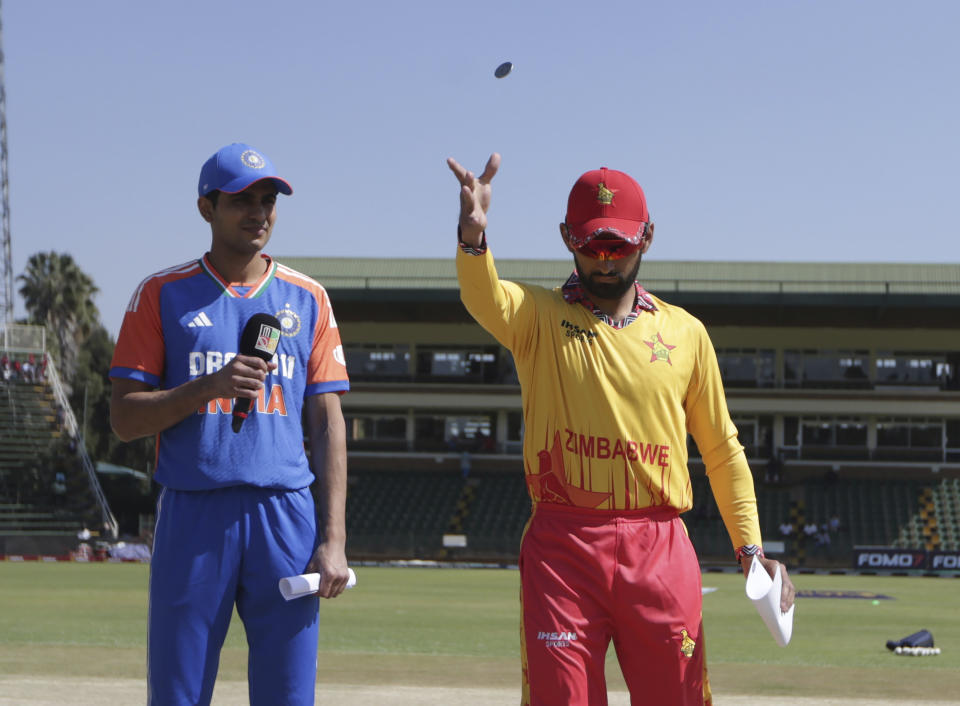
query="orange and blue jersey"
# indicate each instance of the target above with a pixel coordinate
(185, 322)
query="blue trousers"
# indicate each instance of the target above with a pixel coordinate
(216, 549)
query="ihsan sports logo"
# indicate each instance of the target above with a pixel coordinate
(556, 639)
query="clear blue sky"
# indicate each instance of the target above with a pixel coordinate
(821, 130)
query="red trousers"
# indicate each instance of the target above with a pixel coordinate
(592, 576)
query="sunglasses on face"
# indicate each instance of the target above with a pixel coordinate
(603, 249)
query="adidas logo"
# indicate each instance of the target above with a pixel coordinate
(200, 320)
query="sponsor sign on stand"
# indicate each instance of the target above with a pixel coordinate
(894, 559)
(944, 561)
(888, 559)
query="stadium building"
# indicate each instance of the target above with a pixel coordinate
(842, 379)
(845, 374)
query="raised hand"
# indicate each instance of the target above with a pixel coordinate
(474, 198)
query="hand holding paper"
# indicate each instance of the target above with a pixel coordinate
(307, 584)
(765, 594)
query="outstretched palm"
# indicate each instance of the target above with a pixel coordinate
(474, 197)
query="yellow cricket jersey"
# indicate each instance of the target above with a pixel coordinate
(607, 411)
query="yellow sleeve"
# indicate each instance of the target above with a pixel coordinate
(505, 309)
(708, 421)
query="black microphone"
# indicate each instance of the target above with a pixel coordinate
(260, 337)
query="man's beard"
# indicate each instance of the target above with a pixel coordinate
(609, 290)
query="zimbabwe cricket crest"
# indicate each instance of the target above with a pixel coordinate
(659, 349)
(605, 195)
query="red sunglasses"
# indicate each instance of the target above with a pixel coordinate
(604, 249)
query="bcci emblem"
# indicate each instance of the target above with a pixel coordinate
(252, 159)
(289, 321)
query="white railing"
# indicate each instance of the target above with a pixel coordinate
(23, 338)
(70, 422)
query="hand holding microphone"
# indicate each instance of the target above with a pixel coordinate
(260, 339)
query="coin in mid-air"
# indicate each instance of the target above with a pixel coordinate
(504, 69)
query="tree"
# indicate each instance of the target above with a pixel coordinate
(59, 295)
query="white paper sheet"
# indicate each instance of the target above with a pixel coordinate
(765, 594)
(307, 584)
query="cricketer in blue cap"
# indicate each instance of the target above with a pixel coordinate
(235, 167)
(237, 513)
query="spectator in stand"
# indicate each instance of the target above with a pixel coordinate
(16, 369)
(834, 524)
(823, 536)
(786, 529)
(28, 369)
(810, 530)
(5, 365)
(774, 467)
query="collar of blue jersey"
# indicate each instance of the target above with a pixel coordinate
(574, 293)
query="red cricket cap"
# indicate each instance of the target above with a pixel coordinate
(606, 201)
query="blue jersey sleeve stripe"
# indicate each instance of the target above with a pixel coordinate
(331, 386)
(134, 374)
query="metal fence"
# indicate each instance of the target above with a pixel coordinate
(23, 338)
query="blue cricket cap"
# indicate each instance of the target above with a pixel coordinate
(235, 167)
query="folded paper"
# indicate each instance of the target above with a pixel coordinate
(307, 584)
(765, 594)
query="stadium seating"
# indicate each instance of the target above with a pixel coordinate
(39, 513)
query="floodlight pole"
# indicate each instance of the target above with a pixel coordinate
(6, 259)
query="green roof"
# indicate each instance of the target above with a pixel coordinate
(657, 276)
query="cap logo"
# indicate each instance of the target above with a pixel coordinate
(252, 159)
(605, 195)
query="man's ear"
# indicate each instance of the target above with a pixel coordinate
(565, 234)
(205, 206)
(647, 238)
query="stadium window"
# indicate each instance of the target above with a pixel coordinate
(514, 441)
(377, 361)
(900, 437)
(929, 435)
(830, 368)
(454, 431)
(474, 364)
(914, 368)
(746, 367)
(817, 432)
(372, 431)
(746, 430)
(892, 432)
(833, 437)
(952, 434)
(755, 434)
(851, 432)
(791, 436)
(792, 368)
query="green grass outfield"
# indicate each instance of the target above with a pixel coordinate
(459, 627)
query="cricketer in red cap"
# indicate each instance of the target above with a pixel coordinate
(613, 379)
(606, 201)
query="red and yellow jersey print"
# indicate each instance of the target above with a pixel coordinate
(606, 474)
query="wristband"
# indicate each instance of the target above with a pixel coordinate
(469, 249)
(749, 550)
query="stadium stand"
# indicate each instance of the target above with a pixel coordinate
(48, 490)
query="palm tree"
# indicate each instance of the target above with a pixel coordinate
(59, 295)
